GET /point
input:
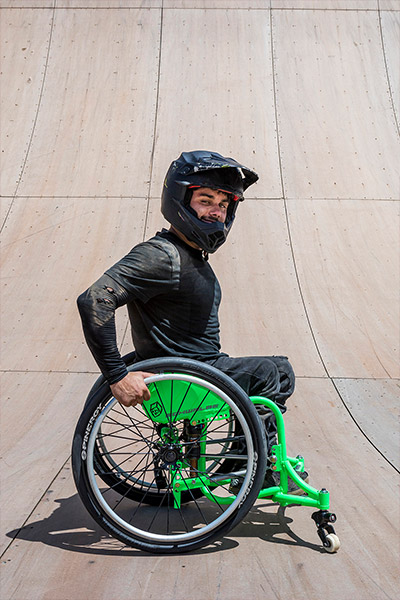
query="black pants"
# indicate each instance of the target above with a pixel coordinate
(268, 376)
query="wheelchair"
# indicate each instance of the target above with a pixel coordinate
(183, 469)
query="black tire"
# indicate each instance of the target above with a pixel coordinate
(142, 461)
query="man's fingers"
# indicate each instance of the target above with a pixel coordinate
(132, 389)
(146, 394)
(124, 402)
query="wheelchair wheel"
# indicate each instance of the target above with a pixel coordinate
(158, 477)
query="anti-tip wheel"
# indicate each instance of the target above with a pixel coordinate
(334, 543)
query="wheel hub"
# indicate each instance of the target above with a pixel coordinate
(170, 454)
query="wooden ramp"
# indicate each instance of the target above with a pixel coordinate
(97, 98)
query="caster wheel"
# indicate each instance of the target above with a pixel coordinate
(334, 543)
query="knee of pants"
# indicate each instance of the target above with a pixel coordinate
(286, 376)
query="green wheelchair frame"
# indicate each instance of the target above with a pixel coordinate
(290, 467)
(287, 467)
(177, 421)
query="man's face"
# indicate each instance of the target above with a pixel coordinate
(210, 205)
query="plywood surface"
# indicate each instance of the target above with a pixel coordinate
(5, 204)
(108, 4)
(51, 252)
(24, 39)
(38, 416)
(389, 5)
(350, 282)
(338, 133)
(374, 404)
(326, 4)
(26, 4)
(217, 93)
(262, 311)
(217, 4)
(390, 22)
(95, 126)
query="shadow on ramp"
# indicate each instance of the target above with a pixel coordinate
(68, 528)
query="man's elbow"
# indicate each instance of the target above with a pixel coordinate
(99, 299)
(83, 302)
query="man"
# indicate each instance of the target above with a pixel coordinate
(172, 293)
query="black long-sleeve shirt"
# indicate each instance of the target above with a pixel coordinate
(173, 298)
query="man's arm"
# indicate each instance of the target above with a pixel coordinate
(97, 308)
(149, 269)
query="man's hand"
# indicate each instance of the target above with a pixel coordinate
(131, 390)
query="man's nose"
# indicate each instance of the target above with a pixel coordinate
(215, 212)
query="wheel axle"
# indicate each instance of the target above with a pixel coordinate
(323, 520)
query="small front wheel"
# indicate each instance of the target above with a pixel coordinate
(334, 543)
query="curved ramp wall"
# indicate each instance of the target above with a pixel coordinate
(97, 98)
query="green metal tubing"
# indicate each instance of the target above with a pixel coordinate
(269, 492)
(215, 498)
(284, 464)
(287, 499)
(315, 498)
(302, 484)
(279, 420)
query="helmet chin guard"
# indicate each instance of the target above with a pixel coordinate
(203, 169)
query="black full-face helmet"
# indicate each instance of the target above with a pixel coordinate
(203, 169)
